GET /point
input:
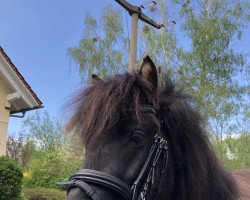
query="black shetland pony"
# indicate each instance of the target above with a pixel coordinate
(144, 142)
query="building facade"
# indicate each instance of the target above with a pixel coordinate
(16, 96)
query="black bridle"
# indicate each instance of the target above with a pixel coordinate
(139, 188)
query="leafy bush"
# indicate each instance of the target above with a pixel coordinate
(43, 194)
(10, 179)
(233, 151)
(48, 167)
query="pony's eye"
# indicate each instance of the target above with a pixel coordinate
(136, 137)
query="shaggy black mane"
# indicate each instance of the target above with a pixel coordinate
(198, 174)
(100, 106)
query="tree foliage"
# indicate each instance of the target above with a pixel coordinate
(99, 49)
(44, 131)
(46, 154)
(234, 151)
(20, 150)
(212, 69)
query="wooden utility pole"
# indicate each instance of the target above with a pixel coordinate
(136, 14)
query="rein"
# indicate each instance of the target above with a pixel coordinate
(140, 187)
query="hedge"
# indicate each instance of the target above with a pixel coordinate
(10, 180)
(43, 194)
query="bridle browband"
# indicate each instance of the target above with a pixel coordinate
(139, 188)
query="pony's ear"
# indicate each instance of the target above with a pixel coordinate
(149, 72)
(95, 79)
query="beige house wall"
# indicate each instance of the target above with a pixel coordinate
(4, 116)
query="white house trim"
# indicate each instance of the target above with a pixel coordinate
(12, 97)
(16, 85)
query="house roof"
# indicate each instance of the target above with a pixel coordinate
(28, 99)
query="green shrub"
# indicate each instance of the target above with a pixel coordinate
(48, 167)
(43, 194)
(10, 180)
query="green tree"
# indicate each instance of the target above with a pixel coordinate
(20, 149)
(47, 154)
(99, 51)
(43, 130)
(212, 69)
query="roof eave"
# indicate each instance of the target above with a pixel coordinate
(17, 81)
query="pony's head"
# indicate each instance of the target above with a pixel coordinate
(143, 141)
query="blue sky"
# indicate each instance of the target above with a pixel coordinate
(36, 34)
